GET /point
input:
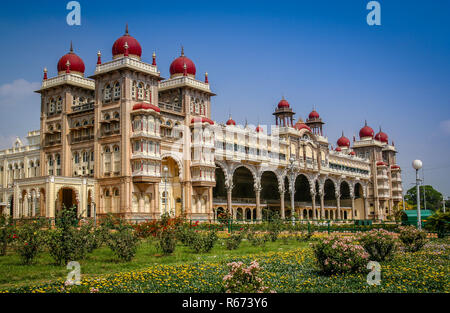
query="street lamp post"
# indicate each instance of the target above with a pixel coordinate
(291, 170)
(166, 170)
(417, 165)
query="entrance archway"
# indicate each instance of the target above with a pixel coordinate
(170, 187)
(66, 199)
(330, 198)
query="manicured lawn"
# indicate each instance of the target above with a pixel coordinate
(102, 261)
(286, 268)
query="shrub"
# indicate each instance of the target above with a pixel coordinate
(412, 238)
(6, 233)
(304, 236)
(185, 233)
(167, 241)
(257, 239)
(340, 255)
(28, 240)
(235, 239)
(439, 222)
(203, 242)
(66, 242)
(243, 279)
(124, 243)
(274, 227)
(380, 244)
(147, 229)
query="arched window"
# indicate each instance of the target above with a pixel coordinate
(116, 91)
(76, 158)
(59, 105)
(52, 105)
(58, 159)
(75, 101)
(107, 93)
(116, 115)
(85, 157)
(107, 117)
(141, 91)
(133, 91)
(147, 93)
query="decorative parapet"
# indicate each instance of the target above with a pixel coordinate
(70, 79)
(184, 81)
(127, 63)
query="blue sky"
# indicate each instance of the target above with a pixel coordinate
(315, 53)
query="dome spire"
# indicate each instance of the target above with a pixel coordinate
(182, 51)
(126, 30)
(71, 47)
(154, 58)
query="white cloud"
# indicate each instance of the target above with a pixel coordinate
(19, 110)
(445, 126)
(16, 91)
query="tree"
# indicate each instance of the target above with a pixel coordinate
(433, 197)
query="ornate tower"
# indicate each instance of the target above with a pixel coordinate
(284, 116)
(315, 123)
(66, 117)
(127, 128)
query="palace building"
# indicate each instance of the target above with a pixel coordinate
(129, 142)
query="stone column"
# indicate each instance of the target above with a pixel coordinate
(338, 206)
(322, 205)
(313, 205)
(283, 213)
(353, 206)
(229, 199)
(258, 204)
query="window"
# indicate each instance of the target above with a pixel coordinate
(116, 91)
(107, 93)
(58, 159)
(76, 158)
(50, 161)
(116, 149)
(59, 105)
(147, 94)
(107, 117)
(51, 108)
(133, 91)
(85, 157)
(92, 156)
(141, 91)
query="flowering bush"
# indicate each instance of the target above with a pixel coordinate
(147, 229)
(167, 240)
(124, 243)
(412, 238)
(6, 233)
(340, 255)
(274, 227)
(203, 242)
(234, 240)
(257, 239)
(27, 241)
(303, 236)
(380, 244)
(243, 279)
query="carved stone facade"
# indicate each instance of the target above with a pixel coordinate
(129, 142)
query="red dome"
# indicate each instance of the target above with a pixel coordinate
(395, 167)
(366, 131)
(338, 149)
(259, 129)
(231, 122)
(283, 104)
(343, 141)
(299, 126)
(383, 137)
(134, 48)
(177, 66)
(381, 163)
(313, 114)
(145, 106)
(76, 63)
(201, 120)
(353, 153)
